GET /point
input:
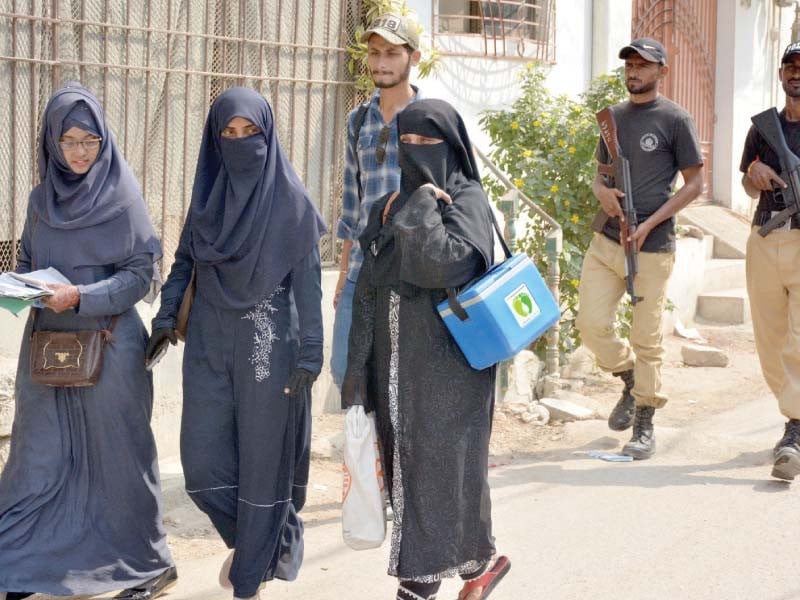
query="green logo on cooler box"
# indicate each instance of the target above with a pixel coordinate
(522, 305)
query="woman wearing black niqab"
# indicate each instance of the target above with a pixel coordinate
(253, 342)
(433, 410)
(80, 507)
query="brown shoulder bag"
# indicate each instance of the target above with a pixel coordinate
(68, 358)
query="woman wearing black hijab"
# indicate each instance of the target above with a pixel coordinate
(433, 410)
(253, 342)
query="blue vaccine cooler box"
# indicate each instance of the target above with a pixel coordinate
(506, 310)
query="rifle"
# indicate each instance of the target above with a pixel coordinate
(769, 126)
(618, 174)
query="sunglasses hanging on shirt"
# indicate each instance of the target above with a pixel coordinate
(383, 139)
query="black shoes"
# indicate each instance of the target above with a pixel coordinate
(622, 416)
(787, 452)
(643, 442)
(151, 589)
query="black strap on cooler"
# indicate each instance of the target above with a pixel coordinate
(452, 295)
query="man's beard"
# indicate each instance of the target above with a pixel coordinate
(641, 88)
(394, 82)
(791, 92)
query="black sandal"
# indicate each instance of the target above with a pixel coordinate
(150, 589)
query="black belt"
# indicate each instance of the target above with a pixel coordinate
(762, 216)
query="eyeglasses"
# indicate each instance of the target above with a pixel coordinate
(88, 145)
(383, 139)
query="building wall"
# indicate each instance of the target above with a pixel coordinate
(750, 37)
(611, 27)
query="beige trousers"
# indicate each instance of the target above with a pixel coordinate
(773, 284)
(601, 289)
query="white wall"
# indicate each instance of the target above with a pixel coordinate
(611, 31)
(749, 42)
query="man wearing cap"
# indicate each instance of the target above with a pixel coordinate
(773, 275)
(371, 170)
(659, 139)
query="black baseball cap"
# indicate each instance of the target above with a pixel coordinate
(791, 50)
(648, 48)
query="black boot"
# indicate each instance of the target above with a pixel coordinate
(787, 452)
(643, 442)
(622, 416)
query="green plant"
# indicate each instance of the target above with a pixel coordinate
(357, 63)
(546, 144)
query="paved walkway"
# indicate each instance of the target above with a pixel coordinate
(702, 520)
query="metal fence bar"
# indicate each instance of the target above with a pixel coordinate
(13, 157)
(165, 70)
(150, 29)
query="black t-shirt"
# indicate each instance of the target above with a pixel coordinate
(659, 139)
(756, 147)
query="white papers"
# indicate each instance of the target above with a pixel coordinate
(30, 286)
(18, 291)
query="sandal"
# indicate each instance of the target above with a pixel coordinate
(488, 581)
(149, 590)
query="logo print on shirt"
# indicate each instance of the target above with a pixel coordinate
(649, 142)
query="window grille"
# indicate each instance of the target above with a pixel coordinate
(508, 29)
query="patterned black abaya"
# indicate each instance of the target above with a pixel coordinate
(433, 410)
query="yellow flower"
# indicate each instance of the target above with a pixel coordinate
(574, 282)
(527, 153)
(567, 203)
(575, 219)
(612, 79)
(537, 123)
(554, 188)
(562, 143)
(573, 131)
(529, 66)
(514, 125)
(519, 182)
(572, 150)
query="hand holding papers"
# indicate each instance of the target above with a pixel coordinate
(18, 291)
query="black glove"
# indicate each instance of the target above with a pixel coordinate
(300, 379)
(158, 339)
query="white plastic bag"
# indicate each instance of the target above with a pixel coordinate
(363, 520)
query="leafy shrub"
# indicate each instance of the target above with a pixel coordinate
(546, 145)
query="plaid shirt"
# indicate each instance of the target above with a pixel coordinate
(376, 180)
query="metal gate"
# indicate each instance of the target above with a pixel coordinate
(156, 66)
(688, 29)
